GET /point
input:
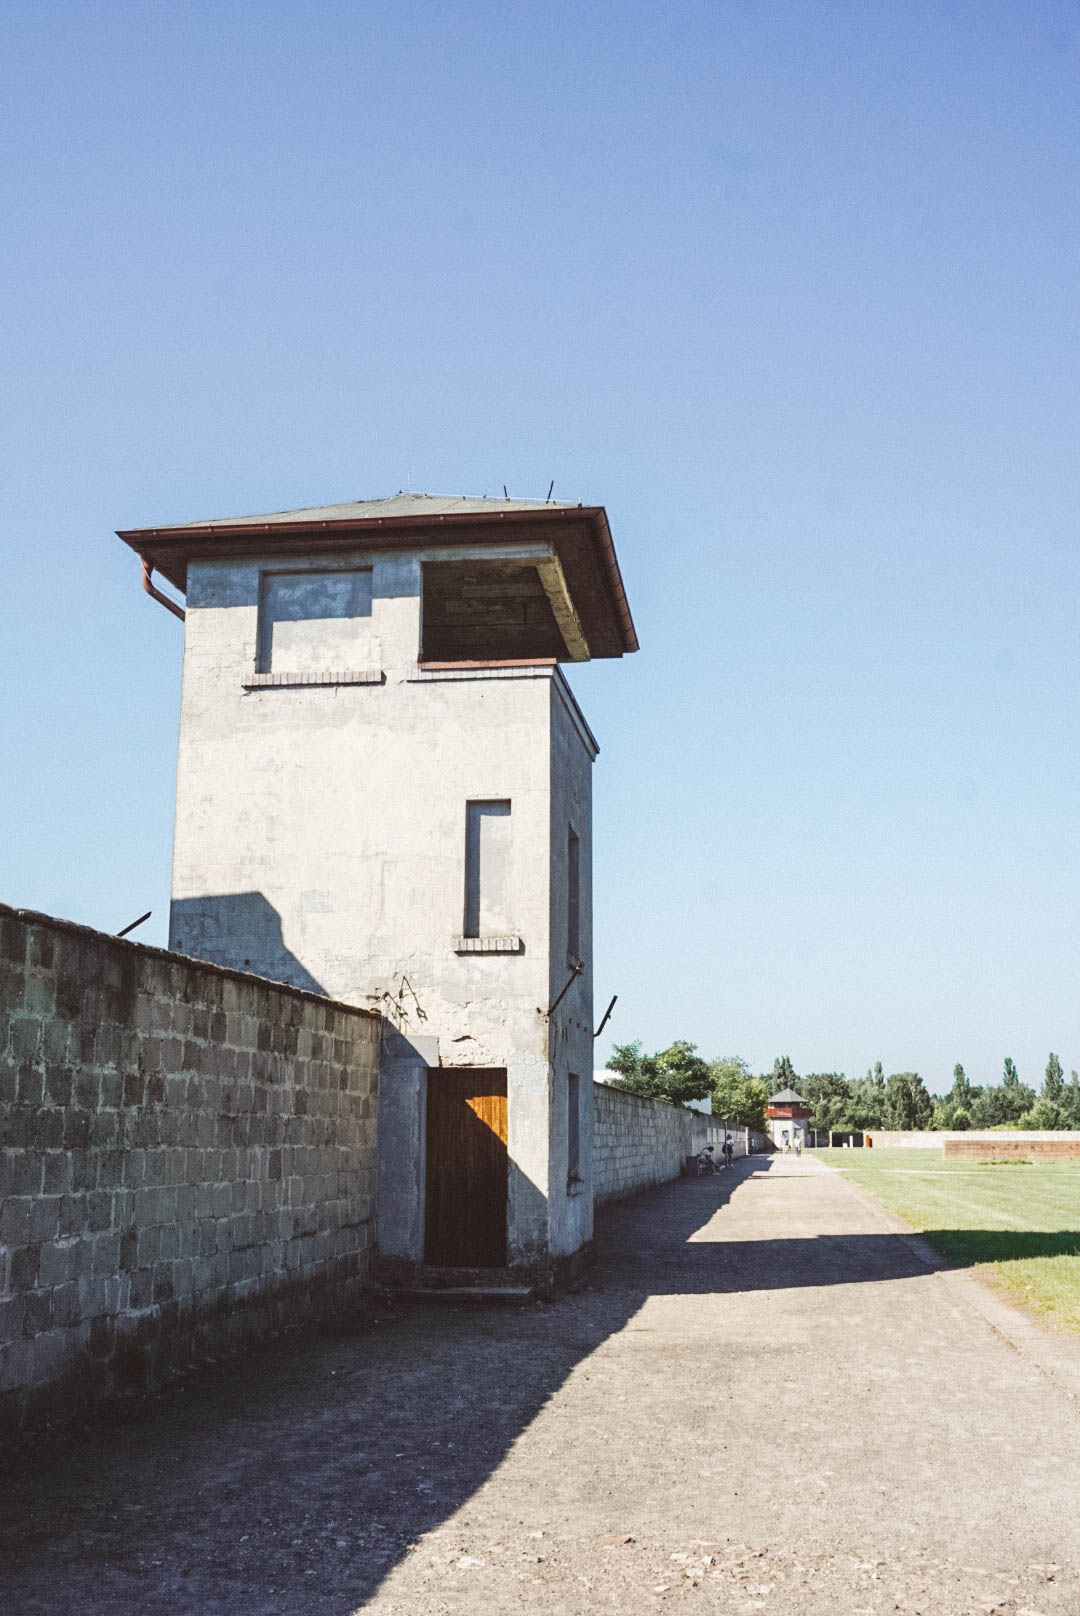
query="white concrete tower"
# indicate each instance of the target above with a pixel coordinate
(383, 794)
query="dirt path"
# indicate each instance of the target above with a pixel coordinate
(768, 1401)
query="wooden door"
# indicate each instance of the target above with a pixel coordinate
(465, 1219)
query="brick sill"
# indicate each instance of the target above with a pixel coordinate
(293, 681)
(504, 662)
(488, 945)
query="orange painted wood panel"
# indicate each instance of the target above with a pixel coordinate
(467, 1167)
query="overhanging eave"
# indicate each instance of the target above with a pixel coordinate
(579, 535)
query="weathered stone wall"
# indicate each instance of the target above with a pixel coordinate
(926, 1139)
(1010, 1147)
(639, 1143)
(187, 1161)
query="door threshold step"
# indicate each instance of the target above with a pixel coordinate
(461, 1293)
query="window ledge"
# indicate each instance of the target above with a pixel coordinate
(575, 1185)
(431, 673)
(488, 945)
(291, 681)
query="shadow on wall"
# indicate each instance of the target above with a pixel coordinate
(327, 1460)
(238, 929)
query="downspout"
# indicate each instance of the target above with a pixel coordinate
(151, 589)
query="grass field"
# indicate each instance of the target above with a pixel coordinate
(1018, 1225)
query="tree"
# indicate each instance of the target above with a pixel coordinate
(908, 1104)
(829, 1097)
(1018, 1097)
(1053, 1108)
(957, 1103)
(783, 1074)
(729, 1068)
(962, 1094)
(675, 1074)
(1005, 1104)
(1044, 1114)
(868, 1100)
(990, 1109)
(1053, 1088)
(738, 1096)
(1072, 1101)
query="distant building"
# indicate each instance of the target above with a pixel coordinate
(786, 1115)
(384, 795)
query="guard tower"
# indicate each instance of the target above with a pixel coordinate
(383, 794)
(786, 1117)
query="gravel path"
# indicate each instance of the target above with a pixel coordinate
(768, 1400)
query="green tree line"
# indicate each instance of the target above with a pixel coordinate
(901, 1100)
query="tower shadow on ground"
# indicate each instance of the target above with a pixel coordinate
(296, 1479)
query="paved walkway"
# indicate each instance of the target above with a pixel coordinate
(768, 1401)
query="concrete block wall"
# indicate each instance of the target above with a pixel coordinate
(639, 1143)
(187, 1161)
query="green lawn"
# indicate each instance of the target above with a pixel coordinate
(1018, 1225)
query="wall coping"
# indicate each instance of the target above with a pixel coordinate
(34, 917)
(932, 1136)
(644, 1099)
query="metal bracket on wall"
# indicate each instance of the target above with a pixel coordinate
(575, 972)
(135, 923)
(607, 1013)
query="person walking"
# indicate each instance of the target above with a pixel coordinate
(729, 1150)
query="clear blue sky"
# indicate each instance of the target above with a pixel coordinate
(791, 288)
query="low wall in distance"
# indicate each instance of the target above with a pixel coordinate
(925, 1139)
(639, 1143)
(1013, 1147)
(187, 1161)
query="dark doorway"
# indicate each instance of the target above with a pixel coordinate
(465, 1221)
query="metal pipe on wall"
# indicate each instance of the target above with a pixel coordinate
(151, 589)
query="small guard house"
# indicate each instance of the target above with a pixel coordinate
(786, 1116)
(384, 795)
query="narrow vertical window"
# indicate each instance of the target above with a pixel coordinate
(573, 1127)
(573, 896)
(487, 869)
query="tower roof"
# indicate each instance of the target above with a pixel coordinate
(367, 510)
(786, 1097)
(578, 534)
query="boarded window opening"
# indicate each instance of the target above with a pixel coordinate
(487, 870)
(485, 611)
(573, 896)
(313, 621)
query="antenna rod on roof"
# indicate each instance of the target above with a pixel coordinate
(551, 485)
(505, 494)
